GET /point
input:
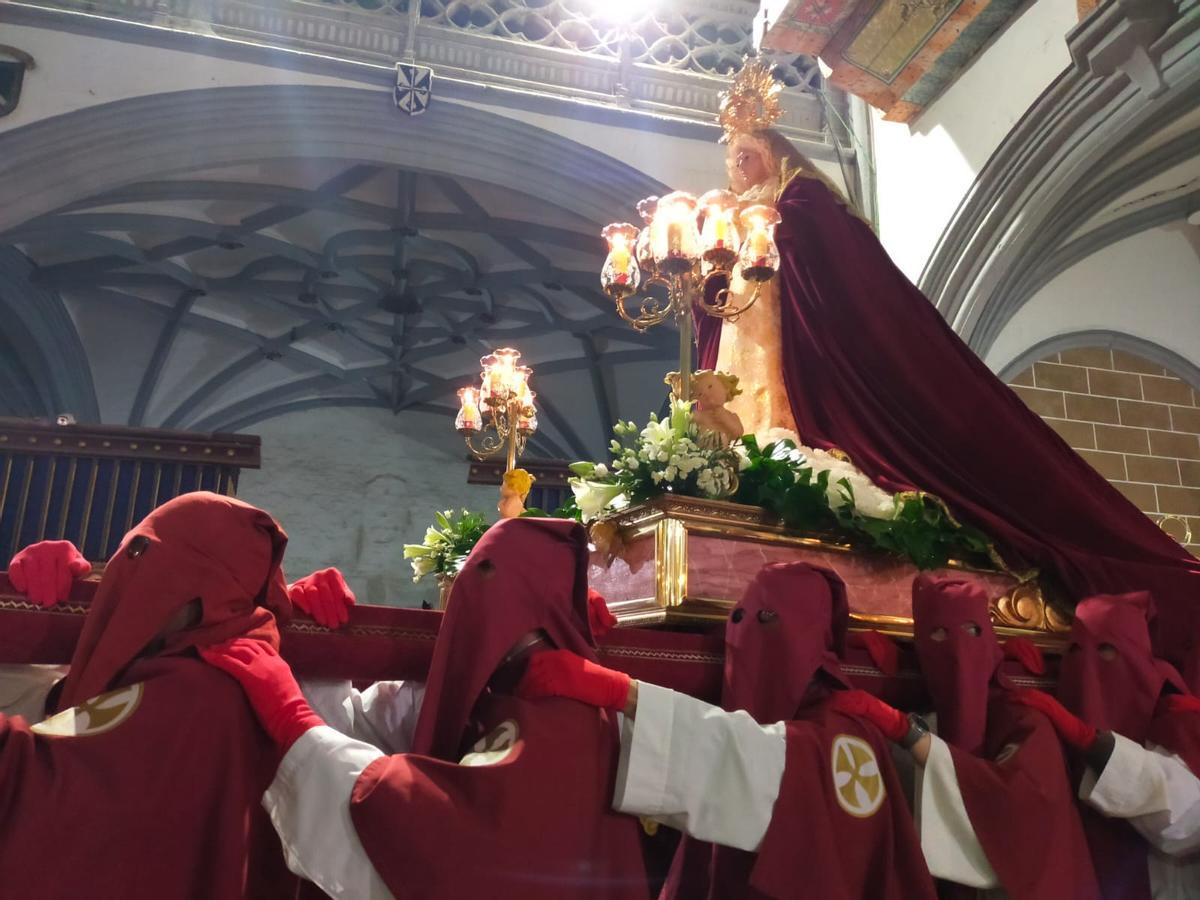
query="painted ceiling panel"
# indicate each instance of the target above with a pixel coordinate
(895, 54)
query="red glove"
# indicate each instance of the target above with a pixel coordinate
(884, 652)
(270, 687)
(1027, 653)
(1073, 730)
(45, 571)
(1180, 703)
(861, 705)
(601, 620)
(325, 596)
(560, 673)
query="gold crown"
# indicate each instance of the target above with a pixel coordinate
(752, 101)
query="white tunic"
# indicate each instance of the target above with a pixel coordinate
(1160, 796)
(309, 800)
(23, 689)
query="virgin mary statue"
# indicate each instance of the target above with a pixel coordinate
(849, 354)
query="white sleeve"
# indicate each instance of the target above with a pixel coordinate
(695, 767)
(1154, 790)
(309, 805)
(952, 851)
(384, 715)
(23, 690)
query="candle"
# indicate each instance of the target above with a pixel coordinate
(760, 246)
(619, 258)
(674, 239)
(720, 231)
(468, 418)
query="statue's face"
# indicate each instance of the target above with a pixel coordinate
(709, 390)
(748, 167)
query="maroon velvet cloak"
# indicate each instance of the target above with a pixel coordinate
(159, 797)
(1018, 795)
(871, 367)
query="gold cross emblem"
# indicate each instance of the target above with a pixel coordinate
(94, 716)
(857, 782)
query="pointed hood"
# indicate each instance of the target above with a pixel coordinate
(524, 574)
(790, 625)
(205, 546)
(959, 655)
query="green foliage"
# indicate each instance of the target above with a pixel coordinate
(778, 477)
(446, 543)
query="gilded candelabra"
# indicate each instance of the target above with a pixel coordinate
(687, 246)
(499, 415)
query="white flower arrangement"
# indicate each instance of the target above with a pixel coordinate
(663, 457)
(868, 498)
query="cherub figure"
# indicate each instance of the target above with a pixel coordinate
(513, 490)
(711, 390)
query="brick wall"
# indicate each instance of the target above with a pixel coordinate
(1137, 423)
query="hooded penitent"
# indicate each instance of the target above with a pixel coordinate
(529, 814)
(959, 655)
(1109, 675)
(204, 546)
(826, 838)
(790, 625)
(1110, 678)
(1008, 762)
(150, 784)
(522, 576)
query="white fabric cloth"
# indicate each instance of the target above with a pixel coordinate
(695, 767)
(716, 775)
(1160, 796)
(384, 715)
(309, 800)
(23, 689)
(309, 805)
(952, 850)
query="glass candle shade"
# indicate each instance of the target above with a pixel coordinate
(620, 275)
(468, 418)
(674, 237)
(719, 238)
(759, 257)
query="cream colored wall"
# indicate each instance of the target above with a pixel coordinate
(352, 486)
(74, 71)
(1147, 286)
(923, 171)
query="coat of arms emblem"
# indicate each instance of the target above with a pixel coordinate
(414, 87)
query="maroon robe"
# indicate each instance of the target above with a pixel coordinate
(1018, 784)
(871, 367)
(781, 662)
(538, 823)
(818, 845)
(152, 800)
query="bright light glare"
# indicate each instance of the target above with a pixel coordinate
(618, 11)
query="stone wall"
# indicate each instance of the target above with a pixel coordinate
(351, 486)
(1135, 422)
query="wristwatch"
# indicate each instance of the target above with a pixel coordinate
(917, 729)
